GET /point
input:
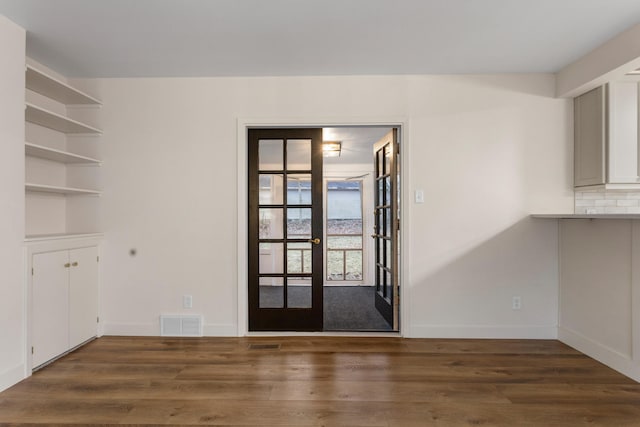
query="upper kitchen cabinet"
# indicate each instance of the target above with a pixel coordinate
(606, 138)
(589, 118)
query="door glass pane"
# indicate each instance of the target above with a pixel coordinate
(380, 222)
(387, 221)
(380, 251)
(388, 253)
(298, 258)
(299, 154)
(299, 292)
(335, 265)
(388, 284)
(380, 163)
(299, 223)
(271, 292)
(354, 265)
(387, 191)
(271, 258)
(380, 185)
(387, 159)
(299, 189)
(270, 223)
(270, 152)
(271, 189)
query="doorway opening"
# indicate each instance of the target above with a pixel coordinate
(323, 229)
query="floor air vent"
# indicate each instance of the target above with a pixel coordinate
(180, 325)
(264, 346)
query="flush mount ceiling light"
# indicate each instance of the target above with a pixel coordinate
(331, 148)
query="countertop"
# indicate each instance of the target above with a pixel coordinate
(586, 216)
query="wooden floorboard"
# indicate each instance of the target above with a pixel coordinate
(323, 381)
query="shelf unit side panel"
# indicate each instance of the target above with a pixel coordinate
(46, 137)
(45, 103)
(41, 171)
(46, 213)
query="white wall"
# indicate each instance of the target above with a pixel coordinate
(12, 306)
(600, 291)
(487, 151)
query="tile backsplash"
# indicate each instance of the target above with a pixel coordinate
(600, 202)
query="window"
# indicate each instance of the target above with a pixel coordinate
(344, 231)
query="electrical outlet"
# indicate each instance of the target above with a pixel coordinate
(516, 303)
(187, 301)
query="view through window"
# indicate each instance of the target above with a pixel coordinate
(344, 230)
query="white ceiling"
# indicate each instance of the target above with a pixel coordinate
(357, 143)
(131, 38)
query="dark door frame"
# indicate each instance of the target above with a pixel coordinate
(240, 328)
(286, 318)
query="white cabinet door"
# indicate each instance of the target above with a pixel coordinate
(623, 133)
(589, 138)
(83, 295)
(50, 305)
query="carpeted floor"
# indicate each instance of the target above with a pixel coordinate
(346, 308)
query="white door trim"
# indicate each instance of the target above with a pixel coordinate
(243, 124)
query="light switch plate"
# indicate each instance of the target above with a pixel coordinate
(187, 301)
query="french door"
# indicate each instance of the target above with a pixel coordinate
(386, 222)
(285, 229)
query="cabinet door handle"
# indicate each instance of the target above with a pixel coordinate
(75, 264)
(67, 265)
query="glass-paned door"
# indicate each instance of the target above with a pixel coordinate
(386, 228)
(285, 229)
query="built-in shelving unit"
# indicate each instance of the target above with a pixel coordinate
(54, 155)
(60, 127)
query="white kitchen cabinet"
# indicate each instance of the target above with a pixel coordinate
(589, 138)
(606, 138)
(623, 163)
(64, 297)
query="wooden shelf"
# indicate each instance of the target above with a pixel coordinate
(51, 87)
(55, 121)
(60, 156)
(39, 188)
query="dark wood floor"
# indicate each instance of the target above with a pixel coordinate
(323, 381)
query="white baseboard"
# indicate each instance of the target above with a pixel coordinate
(153, 329)
(214, 330)
(482, 331)
(604, 354)
(11, 377)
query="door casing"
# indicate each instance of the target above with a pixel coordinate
(243, 125)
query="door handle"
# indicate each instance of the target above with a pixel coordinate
(75, 264)
(315, 241)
